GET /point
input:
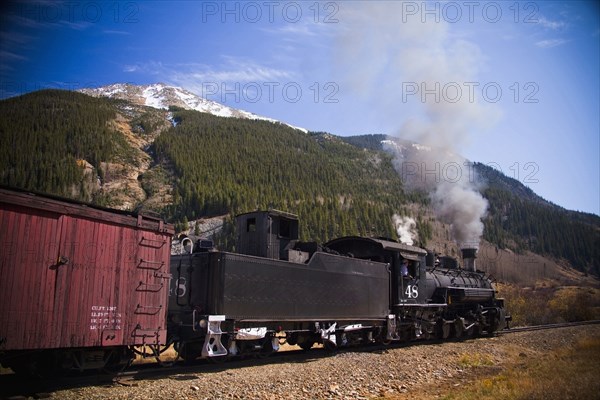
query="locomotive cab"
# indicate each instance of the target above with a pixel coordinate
(404, 283)
(411, 277)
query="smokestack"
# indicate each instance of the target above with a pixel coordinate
(469, 256)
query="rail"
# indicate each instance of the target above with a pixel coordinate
(547, 326)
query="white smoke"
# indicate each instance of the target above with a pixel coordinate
(403, 63)
(406, 227)
(463, 207)
(451, 183)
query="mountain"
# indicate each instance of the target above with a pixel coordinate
(162, 96)
(188, 165)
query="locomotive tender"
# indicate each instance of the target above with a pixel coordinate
(82, 287)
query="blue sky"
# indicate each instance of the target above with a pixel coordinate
(511, 84)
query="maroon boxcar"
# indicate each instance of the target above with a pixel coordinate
(79, 284)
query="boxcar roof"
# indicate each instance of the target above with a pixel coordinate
(21, 198)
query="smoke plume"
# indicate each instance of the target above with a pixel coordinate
(414, 69)
(406, 228)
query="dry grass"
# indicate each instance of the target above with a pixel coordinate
(475, 360)
(570, 373)
(545, 305)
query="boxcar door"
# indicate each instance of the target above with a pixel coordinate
(88, 282)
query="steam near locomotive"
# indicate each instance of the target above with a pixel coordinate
(95, 284)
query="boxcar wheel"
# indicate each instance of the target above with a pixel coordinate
(114, 363)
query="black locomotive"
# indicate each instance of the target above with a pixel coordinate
(352, 290)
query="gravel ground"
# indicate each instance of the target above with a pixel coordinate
(413, 371)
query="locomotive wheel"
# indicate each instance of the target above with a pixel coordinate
(305, 340)
(329, 346)
(459, 328)
(493, 327)
(442, 330)
(471, 331)
(292, 339)
(189, 351)
(306, 344)
(382, 338)
(267, 348)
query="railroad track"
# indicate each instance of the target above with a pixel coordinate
(547, 326)
(12, 386)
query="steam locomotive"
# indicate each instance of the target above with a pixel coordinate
(350, 291)
(84, 287)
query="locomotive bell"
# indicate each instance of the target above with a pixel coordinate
(469, 256)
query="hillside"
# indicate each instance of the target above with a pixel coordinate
(48, 138)
(188, 165)
(521, 220)
(74, 145)
(232, 165)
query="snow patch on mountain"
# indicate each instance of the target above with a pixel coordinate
(163, 96)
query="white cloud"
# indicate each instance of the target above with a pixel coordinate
(554, 25)
(193, 76)
(546, 44)
(236, 69)
(302, 30)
